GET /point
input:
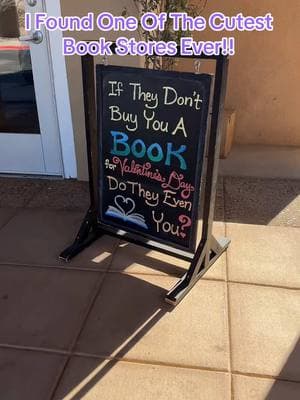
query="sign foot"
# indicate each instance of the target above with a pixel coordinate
(87, 234)
(197, 269)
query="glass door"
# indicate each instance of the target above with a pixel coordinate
(29, 134)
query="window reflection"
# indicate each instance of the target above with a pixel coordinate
(18, 111)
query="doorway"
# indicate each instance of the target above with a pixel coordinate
(30, 134)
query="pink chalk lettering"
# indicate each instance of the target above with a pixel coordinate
(127, 167)
(176, 182)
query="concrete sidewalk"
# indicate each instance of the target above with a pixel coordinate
(98, 328)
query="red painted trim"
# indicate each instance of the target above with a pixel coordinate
(14, 48)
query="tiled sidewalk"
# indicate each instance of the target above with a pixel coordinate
(98, 328)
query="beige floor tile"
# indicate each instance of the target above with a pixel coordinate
(249, 388)
(5, 215)
(130, 319)
(265, 330)
(43, 307)
(264, 254)
(135, 259)
(37, 237)
(290, 214)
(27, 375)
(92, 379)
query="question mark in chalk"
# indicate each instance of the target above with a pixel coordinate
(186, 222)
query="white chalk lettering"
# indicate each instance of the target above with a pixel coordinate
(117, 115)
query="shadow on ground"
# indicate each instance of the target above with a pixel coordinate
(261, 201)
(125, 311)
(280, 388)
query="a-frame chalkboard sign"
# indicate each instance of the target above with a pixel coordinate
(151, 157)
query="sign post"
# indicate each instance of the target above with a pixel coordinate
(150, 154)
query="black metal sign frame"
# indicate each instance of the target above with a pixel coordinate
(209, 249)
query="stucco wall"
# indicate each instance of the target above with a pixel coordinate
(71, 7)
(264, 75)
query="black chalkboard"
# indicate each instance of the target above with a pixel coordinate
(152, 129)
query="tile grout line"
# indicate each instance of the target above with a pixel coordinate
(143, 362)
(34, 349)
(183, 366)
(265, 376)
(162, 275)
(231, 390)
(89, 308)
(94, 270)
(73, 343)
(264, 285)
(52, 267)
(60, 373)
(150, 362)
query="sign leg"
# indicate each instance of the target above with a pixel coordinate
(199, 266)
(87, 234)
